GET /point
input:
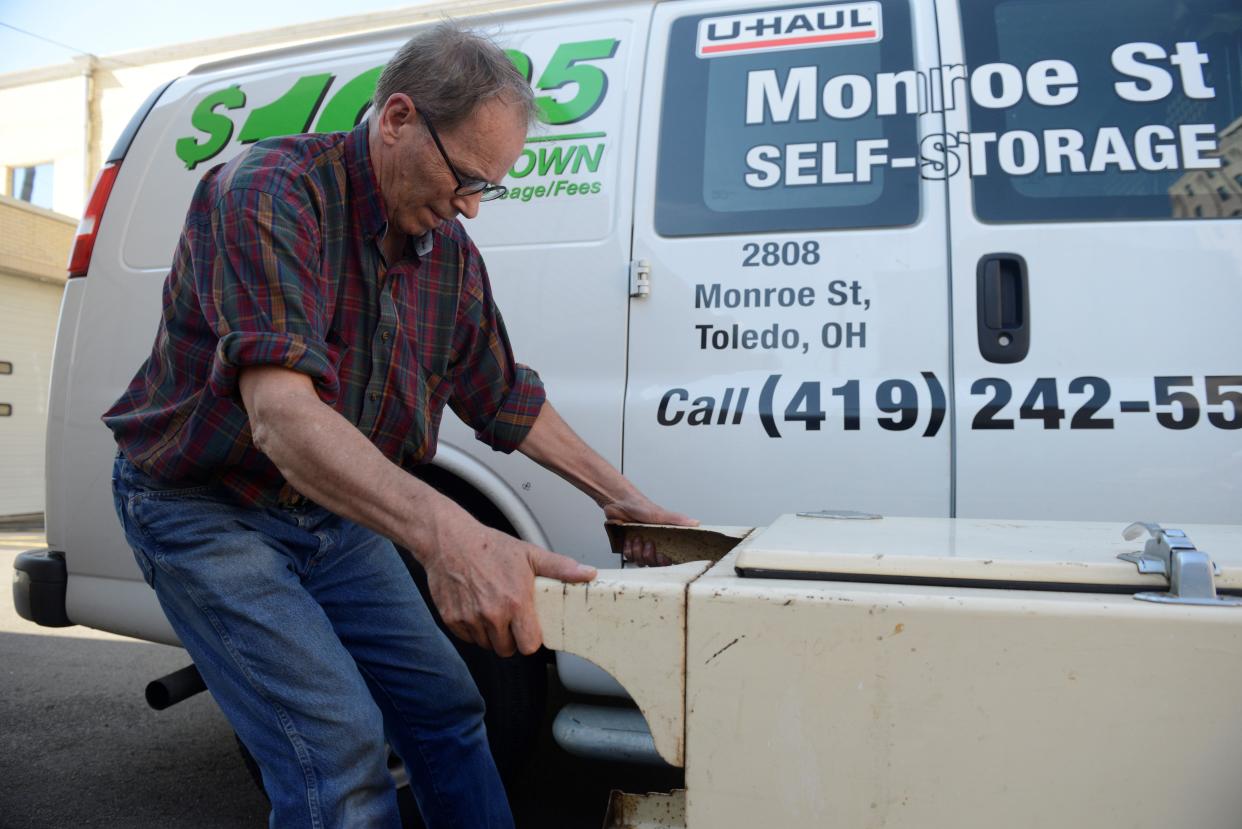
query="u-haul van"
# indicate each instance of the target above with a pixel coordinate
(962, 258)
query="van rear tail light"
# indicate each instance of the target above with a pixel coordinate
(88, 228)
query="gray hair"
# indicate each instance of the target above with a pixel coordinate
(448, 70)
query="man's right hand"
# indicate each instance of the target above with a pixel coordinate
(483, 583)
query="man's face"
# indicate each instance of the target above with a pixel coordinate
(419, 189)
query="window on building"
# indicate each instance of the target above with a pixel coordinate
(32, 184)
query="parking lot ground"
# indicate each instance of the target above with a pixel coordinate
(80, 747)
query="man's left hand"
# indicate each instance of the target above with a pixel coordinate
(638, 508)
(551, 443)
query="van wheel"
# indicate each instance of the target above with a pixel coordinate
(514, 691)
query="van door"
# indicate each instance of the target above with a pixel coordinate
(1097, 257)
(792, 352)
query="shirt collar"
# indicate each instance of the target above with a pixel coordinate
(369, 210)
(424, 243)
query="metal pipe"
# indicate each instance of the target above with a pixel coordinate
(172, 689)
(601, 732)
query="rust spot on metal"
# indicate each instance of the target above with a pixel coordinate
(650, 811)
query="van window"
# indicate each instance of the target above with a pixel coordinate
(1087, 109)
(776, 118)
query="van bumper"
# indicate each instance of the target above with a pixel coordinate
(39, 579)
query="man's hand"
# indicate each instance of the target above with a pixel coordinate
(641, 509)
(483, 583)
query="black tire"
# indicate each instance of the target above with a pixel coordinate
(514, 689)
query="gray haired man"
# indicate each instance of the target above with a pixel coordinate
(325, 305)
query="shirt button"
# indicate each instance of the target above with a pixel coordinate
(375, 395)
(384, 336)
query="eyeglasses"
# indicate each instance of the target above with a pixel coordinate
(485, 190)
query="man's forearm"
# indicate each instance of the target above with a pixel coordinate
(328, 460)
(553, 444)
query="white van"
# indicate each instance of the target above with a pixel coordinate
(973, 258)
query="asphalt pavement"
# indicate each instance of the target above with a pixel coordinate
(79, 746)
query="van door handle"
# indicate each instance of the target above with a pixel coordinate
(1004, 322)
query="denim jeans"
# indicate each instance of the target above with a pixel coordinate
(314, 641)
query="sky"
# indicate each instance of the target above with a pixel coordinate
(111, 26)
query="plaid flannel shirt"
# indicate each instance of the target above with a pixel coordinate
(279, 264)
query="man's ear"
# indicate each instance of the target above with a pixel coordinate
(403, 106)
(397, 111)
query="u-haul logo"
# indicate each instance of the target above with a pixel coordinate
(801, 28)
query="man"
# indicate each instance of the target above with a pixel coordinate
(323, 307)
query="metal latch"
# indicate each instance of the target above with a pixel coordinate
(1171, 553)
(640, 278)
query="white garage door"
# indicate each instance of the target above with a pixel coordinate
(28, 313)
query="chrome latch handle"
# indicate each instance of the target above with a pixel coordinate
(1171, 553)
(1158, 551)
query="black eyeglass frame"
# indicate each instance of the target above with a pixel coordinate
(484, 189)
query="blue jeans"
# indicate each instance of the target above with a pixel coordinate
(314, 641)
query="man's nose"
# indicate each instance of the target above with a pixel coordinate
(467, 206)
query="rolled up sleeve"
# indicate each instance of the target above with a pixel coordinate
(265, 295)
(496, 396)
